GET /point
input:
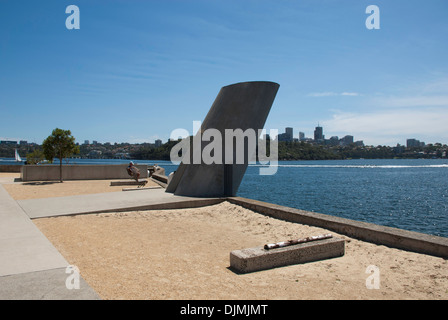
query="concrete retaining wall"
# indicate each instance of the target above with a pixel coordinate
(391, 237)
(79, 172)
(10, 168)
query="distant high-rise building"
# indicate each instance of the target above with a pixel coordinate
(158, 143)
(86, 142)
(301, 136)
(333, 141)
(414, 143)
(289, 132)
(283, 137)
(345, 141)
(318, 133)
(8, 142)
(287, 136)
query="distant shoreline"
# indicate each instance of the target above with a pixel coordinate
(287, 151)
(11, 161)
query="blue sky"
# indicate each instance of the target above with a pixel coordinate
(137, 70)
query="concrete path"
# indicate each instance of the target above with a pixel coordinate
(27, 258)
(145, 199)
(23, 248)
(44, 285)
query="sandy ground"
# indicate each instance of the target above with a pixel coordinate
(184, 254)
(47, 189)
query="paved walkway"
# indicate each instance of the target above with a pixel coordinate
(31, 267)
(145, 199)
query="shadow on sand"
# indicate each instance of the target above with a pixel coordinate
(39, 183)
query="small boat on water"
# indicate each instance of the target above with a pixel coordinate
(18, 159)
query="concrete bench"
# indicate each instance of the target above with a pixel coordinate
(127, 183)
(258, 258)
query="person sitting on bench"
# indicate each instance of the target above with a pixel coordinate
(133, 171)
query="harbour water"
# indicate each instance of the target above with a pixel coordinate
(400, 193)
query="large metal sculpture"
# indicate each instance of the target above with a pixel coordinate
(242, 106)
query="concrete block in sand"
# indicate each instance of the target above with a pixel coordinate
(258, 258)
(128, 183)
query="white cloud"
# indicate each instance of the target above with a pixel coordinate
(418, 110)
(332, 94)
(149, 139)
(412, 101)
(11, 139)
(391, 126)
(321, 94)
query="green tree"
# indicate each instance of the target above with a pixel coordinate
(35, 157)
(60, 144)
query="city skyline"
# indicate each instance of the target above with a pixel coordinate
(288, 135)
(319, 136)
(135, 71)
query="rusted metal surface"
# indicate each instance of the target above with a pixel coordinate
(281, 244)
